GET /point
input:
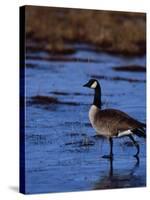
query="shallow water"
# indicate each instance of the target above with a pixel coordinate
(61, 152)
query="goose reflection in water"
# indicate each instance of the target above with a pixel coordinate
(121, 179)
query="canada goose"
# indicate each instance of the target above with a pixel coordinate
(111, 122)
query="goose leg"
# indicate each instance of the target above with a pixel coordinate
(110, 156)
(136, 145)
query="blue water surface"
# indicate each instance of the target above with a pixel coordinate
(61, 153)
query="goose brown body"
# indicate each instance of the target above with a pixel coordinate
(112, 122)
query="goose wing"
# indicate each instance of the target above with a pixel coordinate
(118, 122)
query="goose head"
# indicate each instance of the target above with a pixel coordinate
(92, 83)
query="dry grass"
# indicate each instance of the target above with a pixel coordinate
(114, 32)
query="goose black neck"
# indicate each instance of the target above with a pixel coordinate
(97, 97)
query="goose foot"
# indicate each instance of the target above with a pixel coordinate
(108, 156)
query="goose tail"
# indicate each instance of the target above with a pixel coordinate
(140, 132)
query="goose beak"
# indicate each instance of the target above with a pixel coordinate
(86, 85)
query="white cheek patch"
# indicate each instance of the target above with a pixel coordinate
(94, 85)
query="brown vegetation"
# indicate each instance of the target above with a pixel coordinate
(114, 32)
(61, 58)
(47, 100)
(130, 68)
